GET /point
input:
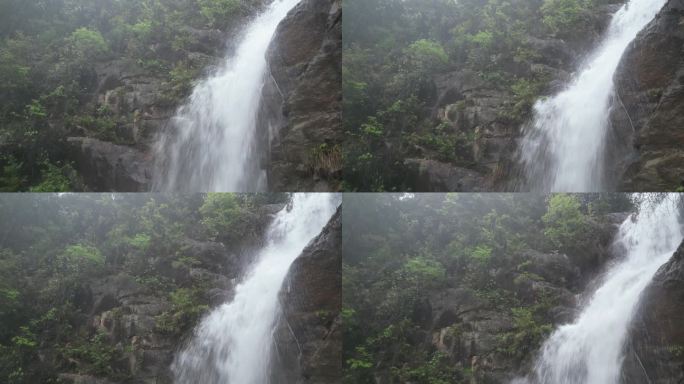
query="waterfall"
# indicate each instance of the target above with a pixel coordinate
(591, 349)
(563, 147)
(210, 145)
(232, 345)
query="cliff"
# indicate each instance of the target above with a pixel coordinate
(655, 353)
(648, 126)
(308, 346)
(301, 106)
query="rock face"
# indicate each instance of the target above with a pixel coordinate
(301, 105)
(109, 167)
(126, 310)
(139, 102)
(485, 114)
(656, 350)
(648, 124)
(308, 345)
(469, 328)
(435, 176)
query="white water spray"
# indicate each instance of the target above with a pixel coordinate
(591, 350)
(211, 143)
(232, 345)
(563, 147)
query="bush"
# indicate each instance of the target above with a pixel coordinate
(428, 55)
(87, 43)
(326, 160)
(11, 179)
(97, 356)
(81, 258)
(224, 216)
(565, 224)
(218, 12)
(425, 272)
(53, 179)
(563, 17)
(527, 336)
(186, 310)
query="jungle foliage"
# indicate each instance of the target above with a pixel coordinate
(49, 52)
(395, 49)
(402, 252)
(54, 248)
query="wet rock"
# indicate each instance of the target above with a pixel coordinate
(432, 176)
(556, 268)
(308, 343)
(301, 104)
(210, 253)
(647, 138)
(109, 167)
(655, 353)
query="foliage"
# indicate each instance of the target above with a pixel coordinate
(326, 160)
(87, 43)
(564, 221)
(436, 265)
(226, 216)
(527, 336)
(53, 179)
(427, 55)
(186, 309)
(11, 178)
(408, 51)
(565, 16)
(218, 11)
(97, 355)
(81, 258)
(49, 55)
(56, 247)
(424, 271)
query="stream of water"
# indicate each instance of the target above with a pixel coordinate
(232, 345)
(563, 146)
(210, 145)
(590, 350)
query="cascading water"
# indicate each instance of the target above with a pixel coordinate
(210, 145)
(591, 350)
(232, 345)
(563, 147)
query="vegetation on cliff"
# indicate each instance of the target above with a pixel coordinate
(395, 52)
(446, 288)
(50, 52)
(91, 282)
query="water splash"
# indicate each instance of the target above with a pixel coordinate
(563, 147)
(210, 145)
(232, 345)
(591, 349)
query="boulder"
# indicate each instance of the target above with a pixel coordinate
(432, 175)
(109, 167)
